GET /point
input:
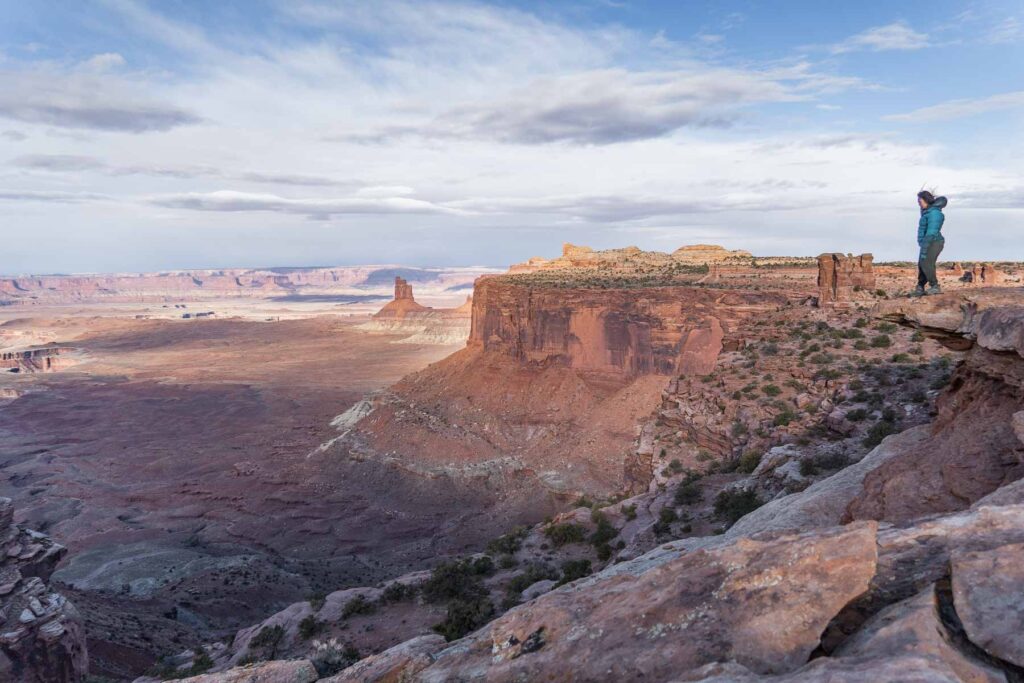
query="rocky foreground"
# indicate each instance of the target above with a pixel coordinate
(903, 565)
(41, 634)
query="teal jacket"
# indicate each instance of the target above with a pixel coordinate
(929, 228)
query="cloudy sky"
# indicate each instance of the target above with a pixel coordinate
(178, 134)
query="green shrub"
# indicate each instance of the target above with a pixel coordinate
(453, 580)
(879, 431)
(731, 504)
(629, 512)
(533, 572)
(310, 626)
(397, 592)
(508, 544)
(688, 492)
(860, 345)
(856, 415)
(574, 569)
(562, 534)
(784, 418)
(357, 606)
(464, 616)
(771, 390)
(881, 341)
(749, 461)
(264, 644)
(604, 532)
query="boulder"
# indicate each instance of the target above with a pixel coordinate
(988, 591)
(762, 604)
(394, 665)
(280, 671)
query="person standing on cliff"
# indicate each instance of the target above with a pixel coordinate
(931, 241)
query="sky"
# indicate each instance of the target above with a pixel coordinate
(141, 136)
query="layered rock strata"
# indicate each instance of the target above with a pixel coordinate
(841, 277)
(41, 635)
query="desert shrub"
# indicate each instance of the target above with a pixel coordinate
(860, 345)
(629, 512)
(852, 333)
(316, 600)
(356, 606)
(397, 592)
(861, 322)
(574, 569)
(688, 492)
(900, 358)
(675, 465)
(784, 418)
(464, 616)
(749, 461)
(329, 656)
(880, 292)
(731, 504)
(667, 515)
(310, 626)
(770, 349)
(917, 336)
(264, 644)
(531, 574)
(604, 532)
(940, 381)
(453, 580)
(881, 341)
(562, 534)
(201, 663)
(808, 467)
(771, 390)
(856, 415)
(879, 431)
(738, 428)
(507, 544)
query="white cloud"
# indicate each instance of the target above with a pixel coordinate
(955, 109)
(226, 200)
(84, 98)
(895, 36)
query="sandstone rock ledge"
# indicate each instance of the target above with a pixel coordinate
(41, 635)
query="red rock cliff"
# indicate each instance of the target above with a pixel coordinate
(655, 330)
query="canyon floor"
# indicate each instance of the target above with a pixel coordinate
(170, 456)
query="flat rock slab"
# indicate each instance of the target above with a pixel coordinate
(394, 665)
(282, 671)
(988, 591)
(763, 604)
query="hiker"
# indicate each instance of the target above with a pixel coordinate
(929, 238)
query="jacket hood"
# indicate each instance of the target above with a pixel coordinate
(939, 203)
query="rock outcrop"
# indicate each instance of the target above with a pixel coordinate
(841, 276)
(574, 256)
(421, 324)
(972, 447)
(42, 639)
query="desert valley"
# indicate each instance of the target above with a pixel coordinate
(609, 465)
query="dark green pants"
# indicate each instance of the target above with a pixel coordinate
(926, 263)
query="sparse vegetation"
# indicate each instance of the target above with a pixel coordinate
(732, 504)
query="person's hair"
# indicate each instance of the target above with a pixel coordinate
(927, 196)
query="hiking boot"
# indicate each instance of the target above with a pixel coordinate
(933, 290)
(919, 291)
